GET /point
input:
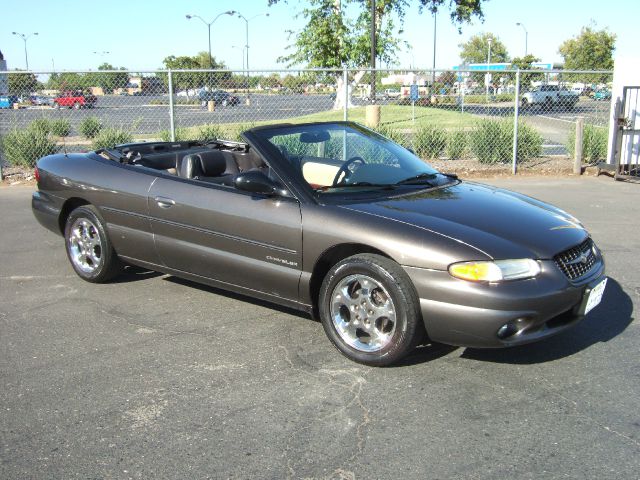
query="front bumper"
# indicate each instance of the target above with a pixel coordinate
(469, 314)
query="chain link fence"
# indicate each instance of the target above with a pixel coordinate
(462, 121)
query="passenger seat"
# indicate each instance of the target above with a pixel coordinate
(210, 166)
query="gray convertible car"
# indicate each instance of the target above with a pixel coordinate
(335, 220)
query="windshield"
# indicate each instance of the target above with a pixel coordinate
(338, 158)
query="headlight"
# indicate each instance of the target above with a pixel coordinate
(495, 271)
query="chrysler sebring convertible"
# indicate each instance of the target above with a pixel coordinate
(335, 220)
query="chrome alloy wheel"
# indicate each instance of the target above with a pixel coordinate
(363, 313)
(85, 245)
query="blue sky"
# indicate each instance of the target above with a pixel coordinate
(138, 34)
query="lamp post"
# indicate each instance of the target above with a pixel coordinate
(25, 37)
(246, 44)
(487, 77)
(209, 24)
(433, 70)
(526, 38)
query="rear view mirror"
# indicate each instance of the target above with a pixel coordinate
(314, 137)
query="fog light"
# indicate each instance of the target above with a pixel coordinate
(507, 330)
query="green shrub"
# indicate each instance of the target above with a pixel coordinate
(243, 127)
(90, 127)
(430, 141)
(24, 147)
(210, 131)
(391, 133)
(61, 127)
(180, 134)
(40, 125)
(492, 141)
(457, 141)
(594, 143)
(110, 137)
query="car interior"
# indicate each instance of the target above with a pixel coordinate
(215, 162)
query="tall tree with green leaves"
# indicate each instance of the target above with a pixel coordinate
(194, 80)
(526, 63)
(109, 81)
(476, 49)
(590, 50)
(337, 32)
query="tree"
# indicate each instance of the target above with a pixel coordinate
(22, 83)
(591, 50)
(193, 80)
(526, 63)
(331, 39)
(108, 82)
(476, 49)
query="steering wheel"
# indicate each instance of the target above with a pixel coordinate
(345, 169)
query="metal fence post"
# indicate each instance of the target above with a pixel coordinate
(345, 81)
(577, 158)
(172, 125)
(516, 113)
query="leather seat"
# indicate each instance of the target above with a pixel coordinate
(208, 166)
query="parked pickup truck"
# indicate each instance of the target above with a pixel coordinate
(549, 96)
(74, 99)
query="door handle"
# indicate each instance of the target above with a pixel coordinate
(164, 202)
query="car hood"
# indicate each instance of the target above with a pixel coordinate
(496, 222)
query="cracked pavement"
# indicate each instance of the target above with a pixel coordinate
(157, 377)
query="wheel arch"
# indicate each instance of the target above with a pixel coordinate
(328, 259)
(67, 207)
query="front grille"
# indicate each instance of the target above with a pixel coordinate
(577, 261)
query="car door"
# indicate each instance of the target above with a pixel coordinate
(234, 237)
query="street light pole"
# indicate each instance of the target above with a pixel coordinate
(526, 38)
(209, 24)
(246, 44)
(25, 38)
(433, 70)
(487, 76)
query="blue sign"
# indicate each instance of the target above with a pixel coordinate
(414, 94)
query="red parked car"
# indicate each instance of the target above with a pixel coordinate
(74, 99)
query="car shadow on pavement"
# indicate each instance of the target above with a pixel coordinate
(238, 296)
(135, 274)
(605, 322)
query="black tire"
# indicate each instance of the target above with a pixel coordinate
(524, 103)
(76, 106)
(93, 258)
(408, 327)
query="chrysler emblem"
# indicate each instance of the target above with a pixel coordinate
(583, 259)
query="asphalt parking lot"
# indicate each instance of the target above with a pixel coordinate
(156, 377)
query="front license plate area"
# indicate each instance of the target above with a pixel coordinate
(593, 297)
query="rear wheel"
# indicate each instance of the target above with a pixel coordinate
(56, 105)
(76, 106)
(370, 311)
(88, 247)
(524, 103)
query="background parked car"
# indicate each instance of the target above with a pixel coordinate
(602, 95)
(40, 100)
(7, 101)
(75, 99)
(219, 97)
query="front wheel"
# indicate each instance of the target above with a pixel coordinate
(370, 311)
(76, 106)
(88, 247)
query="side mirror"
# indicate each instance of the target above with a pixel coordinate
(256, 182)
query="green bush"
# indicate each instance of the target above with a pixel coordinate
(110, 137)
(594, 143)
(430, 141)
(180, 134)
(210, 131)
(391, 133)
(492, 141)
(40, 125)
(90, 127)
(61, 127)
(23, 148)
(457, 141)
